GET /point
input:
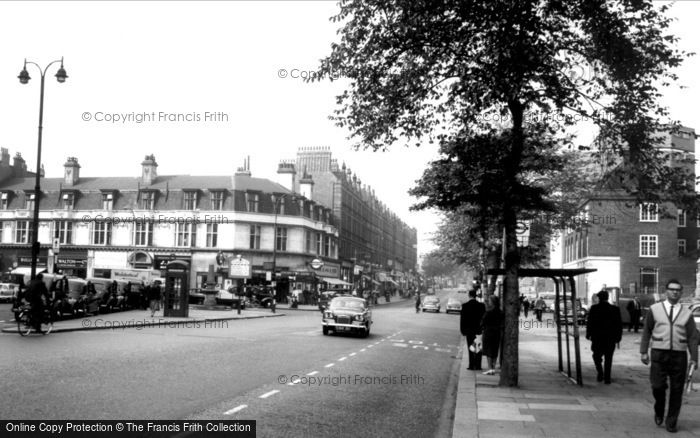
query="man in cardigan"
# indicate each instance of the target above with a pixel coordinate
(671, 328)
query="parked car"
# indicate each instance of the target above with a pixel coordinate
(581, 312)
(196, 296)
(432, 303)
(226, 298)
(347, 314)
(8, 291)
(453, 305)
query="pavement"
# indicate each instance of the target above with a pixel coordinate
(142, 318)
(547, 404)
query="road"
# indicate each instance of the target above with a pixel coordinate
(400, 381)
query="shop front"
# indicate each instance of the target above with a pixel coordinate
(72, 262)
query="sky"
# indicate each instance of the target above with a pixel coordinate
(239, 62)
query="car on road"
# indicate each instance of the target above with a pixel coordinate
(549, 298)
(431, 303)
(347, 314)
(226, 298)
(567, 317)
(325, 299)
(8, 291)
(453, 305)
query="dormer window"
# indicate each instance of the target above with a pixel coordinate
(190, 200)
(252, 200)
(68, 200)
(148, 200)
(217, 200)
(107, 201)
(29, 201)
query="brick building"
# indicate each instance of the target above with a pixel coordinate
(636, 248)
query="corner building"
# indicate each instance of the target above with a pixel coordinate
(130, 228)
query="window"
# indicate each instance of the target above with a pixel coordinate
(68, 201)
(190, 201)
(255, 237)
(217, 200)
(29, 201)
(3, 200)
(319, 243)
(308, 240)
(212, 233)
(697, 244)
(107, 201)
(184, 234)
(681, 247)
(23, 232)
(649, 280)
(143, 233)
(281, 240)
(649, 212)
(327, 246)
(102, 233)
(333, 253)
(64, 232)
(648, 244)
(252, 202)
(148, 200)
(681, 218)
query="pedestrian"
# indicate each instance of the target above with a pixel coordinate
(526, 307)
(470, 326)
(604, 330)
(634, 308)
(540, 305)
(154, 296)
(491, 325)
(671, 329)
(417, 303)
(36, 295)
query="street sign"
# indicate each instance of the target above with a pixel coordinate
(522, 229)
(316, 264)
(239, 268)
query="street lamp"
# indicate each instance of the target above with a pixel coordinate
(24, 78)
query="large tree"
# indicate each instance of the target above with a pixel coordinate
(443, 70)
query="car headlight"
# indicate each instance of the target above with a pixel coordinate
(359, 317)
(328, 315)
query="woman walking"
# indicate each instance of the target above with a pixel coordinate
(491, 324)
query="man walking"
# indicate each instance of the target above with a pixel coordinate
(604, 330)
(539, 308)
(634, 308)
(671, 328)
(470, 326)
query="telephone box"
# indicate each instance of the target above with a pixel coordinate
(176, 294)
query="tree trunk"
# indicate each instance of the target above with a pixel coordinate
(511, 293)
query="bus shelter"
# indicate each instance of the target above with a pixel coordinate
(566, 308)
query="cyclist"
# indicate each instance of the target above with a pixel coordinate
(36, 295)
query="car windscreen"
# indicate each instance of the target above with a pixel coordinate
(347, 304)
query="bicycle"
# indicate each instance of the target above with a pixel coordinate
(25, 321)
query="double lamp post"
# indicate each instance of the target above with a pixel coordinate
(24, 78)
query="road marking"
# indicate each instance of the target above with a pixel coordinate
(370, 346)
(312, 373)
(342, 358)
(363, 349)
(397, 344)
(267, 394)
(329, 365)
(415, 342)
(444, 350)
(236, 409)
(352, 354)
(421, 346)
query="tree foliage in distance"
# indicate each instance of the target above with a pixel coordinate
(434, 265)
(441, 70)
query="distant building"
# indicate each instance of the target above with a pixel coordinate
(635, 248)
(376, 248)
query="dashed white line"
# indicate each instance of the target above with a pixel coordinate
(370, 346)
(342, 358)
(312, 373)
(363, 349)
(267, 394)
(236, 409)
(352, 354)
(329, 365)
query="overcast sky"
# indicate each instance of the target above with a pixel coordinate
(134, 58)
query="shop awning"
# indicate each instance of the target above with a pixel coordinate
(334, 281)
(27, 270)
(371, 279)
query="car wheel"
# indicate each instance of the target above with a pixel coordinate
(325, 331)
(423, 310)
(365, 332)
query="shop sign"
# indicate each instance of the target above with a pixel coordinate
(239, 268)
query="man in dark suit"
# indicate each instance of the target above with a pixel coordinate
(470, 326)
(604, 330)
(670, 331)
(634, 308)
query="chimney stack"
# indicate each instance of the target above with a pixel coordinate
(149, 171)
(71, 172)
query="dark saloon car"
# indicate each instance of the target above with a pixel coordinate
(347, 314)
